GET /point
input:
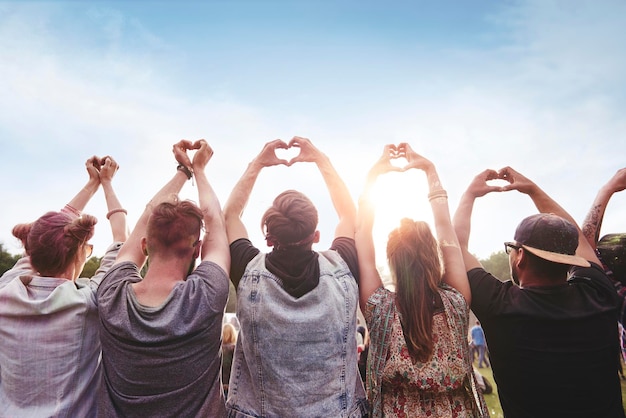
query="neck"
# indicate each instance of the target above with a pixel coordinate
(529, 280)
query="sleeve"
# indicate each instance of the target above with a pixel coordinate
(105, 264)
(488, 292)
(215, 287)
(346, 248)
(241, 253)
(596, 277)
(22, 266)
(116, 275)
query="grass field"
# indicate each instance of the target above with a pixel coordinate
(493, 403)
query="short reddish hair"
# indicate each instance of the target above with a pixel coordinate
(291, 218)
(53, 240)
(174, 226)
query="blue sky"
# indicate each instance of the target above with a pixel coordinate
(538, 85)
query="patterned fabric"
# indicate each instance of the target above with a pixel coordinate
(440, 387)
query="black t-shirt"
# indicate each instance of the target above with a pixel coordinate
(554, 350)
(298, 269)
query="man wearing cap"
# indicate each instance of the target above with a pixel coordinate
(552, 331)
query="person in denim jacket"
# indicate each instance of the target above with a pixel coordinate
(296, 353)
(49, 345)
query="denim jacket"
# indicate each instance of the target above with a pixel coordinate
(296, 356)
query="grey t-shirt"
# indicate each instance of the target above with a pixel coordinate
(162, 361)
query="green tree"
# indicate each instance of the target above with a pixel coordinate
(7, 260)
(498, 265)
(91, 266)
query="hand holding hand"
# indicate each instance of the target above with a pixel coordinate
(268, 158)
(202, 156)
(93, 169)
(108, 168)
(479, 187)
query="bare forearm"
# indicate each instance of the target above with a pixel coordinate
(240, 194)
(80, 200)
(593, 221)
(339, 193)
(119, 227)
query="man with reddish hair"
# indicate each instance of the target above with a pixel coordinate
(161, 333)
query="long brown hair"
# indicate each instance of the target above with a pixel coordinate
(415, 264)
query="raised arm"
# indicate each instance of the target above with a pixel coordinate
(84, 195)
(462, 217)
(593, 220)
(131, 250)
(545, 204)
(454, 274)
(339, 193)
(215, 241)
(238, 199)
(369, 277)
(116, 213)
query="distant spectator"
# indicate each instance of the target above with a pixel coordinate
(478, 340)
(229, 339)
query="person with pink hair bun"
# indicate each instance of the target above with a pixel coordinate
(49, 345)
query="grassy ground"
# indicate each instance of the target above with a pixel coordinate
(493, 403)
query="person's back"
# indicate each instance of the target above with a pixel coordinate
(296, 353)
(163, 359)
(49, 345)
(161, 334)
(552, 331)
(296, 344)
(555, 349)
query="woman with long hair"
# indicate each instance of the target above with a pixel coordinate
(49, 345)
(418, 362)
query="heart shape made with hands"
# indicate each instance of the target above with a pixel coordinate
(287, 154)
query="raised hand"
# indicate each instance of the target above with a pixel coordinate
(108, 168)
(268, 158)
(479, 187)
(383, 165)
(93, 169)
(202, 156)
(308, 152)
(180, 151)
(516, 181)
(414, 159)
(618, 181)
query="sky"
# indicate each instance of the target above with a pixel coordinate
(538, 85)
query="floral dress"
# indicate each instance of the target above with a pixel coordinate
(440, 387)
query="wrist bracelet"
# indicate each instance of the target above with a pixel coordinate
(114, 211)
(437, 194)
(185, 170)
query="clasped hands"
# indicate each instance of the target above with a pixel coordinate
(101, 168)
